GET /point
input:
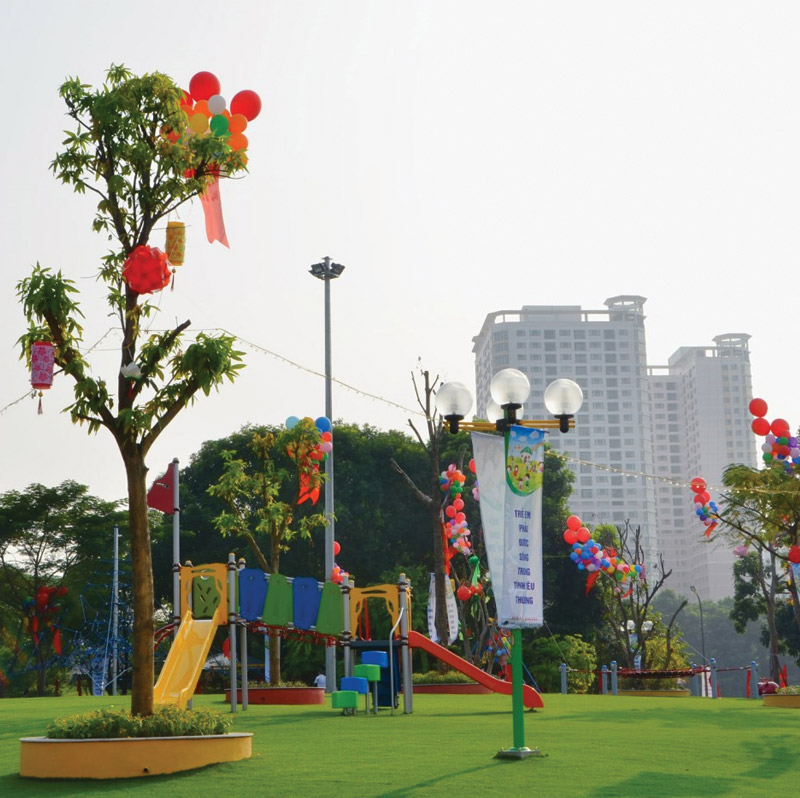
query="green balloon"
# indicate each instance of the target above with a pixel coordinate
(219, 125)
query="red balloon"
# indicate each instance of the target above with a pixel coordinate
(698, 485)
(204, 85)
(758, 407)
(464, 593)
(779, 427)
(583, 535)
(247, 103)
(760, 426)
(794, 554)
(573, 522)
(571, 536)
(450, 511)
(702, 498)
(337, 547)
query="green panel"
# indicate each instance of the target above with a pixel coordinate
(279, 606)
(205, 597)
(330, 620)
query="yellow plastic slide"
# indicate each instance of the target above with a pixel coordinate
(178, 678)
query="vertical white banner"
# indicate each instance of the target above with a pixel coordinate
(510, 476)
(452, 611)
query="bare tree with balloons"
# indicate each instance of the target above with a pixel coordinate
(759, 514)
(138, 147)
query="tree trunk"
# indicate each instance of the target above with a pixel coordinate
(142, 578)
(774, 662)
(275, 642)
(41, 669)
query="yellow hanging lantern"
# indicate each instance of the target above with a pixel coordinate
(176, 242)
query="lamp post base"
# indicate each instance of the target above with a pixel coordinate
(518, 753)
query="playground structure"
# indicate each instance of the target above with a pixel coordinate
(247, 599)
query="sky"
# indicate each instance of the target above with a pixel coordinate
(458, 158)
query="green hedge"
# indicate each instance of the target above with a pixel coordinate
(166, 721)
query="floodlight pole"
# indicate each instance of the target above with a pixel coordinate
(327, 271)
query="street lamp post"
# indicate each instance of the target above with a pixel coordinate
(702, 636)
(509, 389)
(327, 271)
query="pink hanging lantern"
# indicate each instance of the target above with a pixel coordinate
(42, 361)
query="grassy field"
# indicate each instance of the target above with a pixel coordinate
(596, 746)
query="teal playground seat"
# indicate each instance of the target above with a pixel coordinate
(357, 684)
(372, 673)
(345, 700)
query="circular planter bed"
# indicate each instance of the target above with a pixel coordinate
(457, 688)
(128, 757)
(281, 695)
(658, 693)
(776, 700)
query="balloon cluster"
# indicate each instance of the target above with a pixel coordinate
(780, 446)
(466, 591)
(309, 455)
(338, 574)
(706, 510)
(319, 453)
(208, 112)
(456, 528)
(591, 556)
(499, 646)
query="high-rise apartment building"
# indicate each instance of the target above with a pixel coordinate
(640, 429)
(709, 388)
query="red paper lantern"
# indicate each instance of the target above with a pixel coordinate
(146, 270)
(464, 593)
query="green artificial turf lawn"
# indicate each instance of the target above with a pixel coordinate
(595, 745)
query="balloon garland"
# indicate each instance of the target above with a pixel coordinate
(780, 447)
(456, 527)
(592, 557)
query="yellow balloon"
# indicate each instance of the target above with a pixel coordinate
(199, 123)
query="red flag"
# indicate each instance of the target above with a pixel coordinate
(212, 209)
(160, 496)
(592, 578)
(784, 677)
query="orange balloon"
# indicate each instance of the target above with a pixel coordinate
(238, 123)
(201, 107)
(238, 141)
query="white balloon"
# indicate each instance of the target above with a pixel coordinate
(217, 104)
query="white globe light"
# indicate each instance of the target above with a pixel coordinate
(631, 625)
(647, 626)
(510, 386)
(563, 398)
(494, 412)
(453, 399)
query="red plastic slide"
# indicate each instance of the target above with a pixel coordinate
(530, 697)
